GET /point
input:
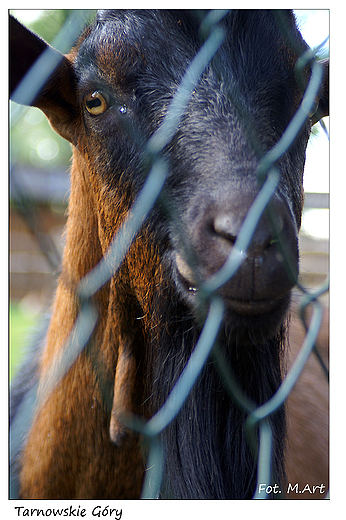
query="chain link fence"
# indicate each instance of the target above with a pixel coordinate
(268, 177)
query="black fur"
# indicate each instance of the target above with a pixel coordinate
(207, 453)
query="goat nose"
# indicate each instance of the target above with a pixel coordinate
(227, 226)
(263, 275)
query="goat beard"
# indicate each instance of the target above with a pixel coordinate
(207, 452)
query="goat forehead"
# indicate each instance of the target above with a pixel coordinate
(262, 33)
(254, 50)
(108, 53)
(142, 29)
(132, 39)
(143, 22)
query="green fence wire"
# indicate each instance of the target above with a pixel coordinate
(268, 177)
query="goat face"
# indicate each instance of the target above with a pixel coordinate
(126, 81)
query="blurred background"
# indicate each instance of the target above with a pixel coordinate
(39, 188)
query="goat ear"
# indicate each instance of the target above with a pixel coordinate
(323, 97)
(55, 93)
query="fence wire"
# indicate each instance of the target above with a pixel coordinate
(268, 177)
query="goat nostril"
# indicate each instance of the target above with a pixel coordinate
(228, 225)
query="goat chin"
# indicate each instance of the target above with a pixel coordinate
(246, 322)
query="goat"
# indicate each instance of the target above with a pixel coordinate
(109, 96)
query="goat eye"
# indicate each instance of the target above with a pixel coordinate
(97, 103)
